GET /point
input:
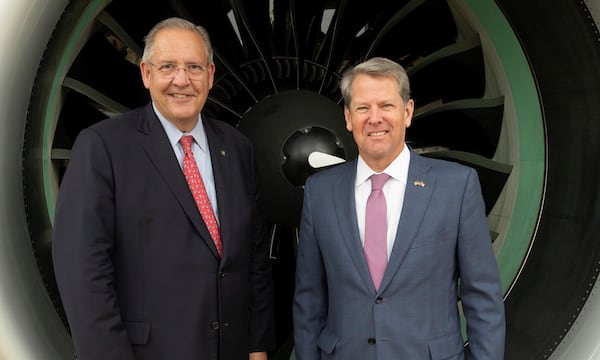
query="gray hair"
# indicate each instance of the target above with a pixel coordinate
(378, 67)
(176, 23)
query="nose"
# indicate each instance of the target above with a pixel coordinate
(375, 115)
(181, 77)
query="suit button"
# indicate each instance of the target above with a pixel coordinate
(215, 325)
(222, 274)
(371, 341)
(379, 300)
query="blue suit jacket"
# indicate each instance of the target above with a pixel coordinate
(138, 273)
(442, 238)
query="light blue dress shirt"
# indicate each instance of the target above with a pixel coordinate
(201, 154)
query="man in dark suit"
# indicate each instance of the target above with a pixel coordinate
(141, 275)
(390, 290)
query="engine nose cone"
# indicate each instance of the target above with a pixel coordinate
(286, 128)
(301, 146)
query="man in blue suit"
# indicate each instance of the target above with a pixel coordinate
(436, 244)
(141, 274)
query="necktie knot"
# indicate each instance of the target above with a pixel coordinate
(378, 180)
(187, 141)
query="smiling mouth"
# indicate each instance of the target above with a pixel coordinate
(378, 133)
(180, 96)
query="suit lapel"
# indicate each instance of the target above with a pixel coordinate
(345, 208)
(419, 187)
(222, 176)
(158, 148)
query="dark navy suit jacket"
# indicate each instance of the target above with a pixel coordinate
(138, 273)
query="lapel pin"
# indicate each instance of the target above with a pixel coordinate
(419, 183)
(223, 153)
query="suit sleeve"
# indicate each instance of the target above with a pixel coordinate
(262, 316)
(480, 287)
(261, 312)
(83, 243)
(310, 297)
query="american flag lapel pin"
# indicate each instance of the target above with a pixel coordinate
(419, 183)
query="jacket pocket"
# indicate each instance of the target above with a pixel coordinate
(447, 347)
(138, 331)
(327, 341)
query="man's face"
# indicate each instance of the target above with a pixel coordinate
(178, 98)
(377, 118)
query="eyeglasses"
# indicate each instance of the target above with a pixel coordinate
(170, 70)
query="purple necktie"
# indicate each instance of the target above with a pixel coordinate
(376, 229)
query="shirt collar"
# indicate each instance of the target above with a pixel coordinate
(174, 134)
(397, 169)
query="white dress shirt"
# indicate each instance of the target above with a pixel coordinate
(393, 190)
(201, 154)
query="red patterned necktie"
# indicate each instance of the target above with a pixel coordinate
(376, 229)
(194, 180)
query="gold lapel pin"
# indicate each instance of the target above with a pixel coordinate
(419, 183)
(223, 153)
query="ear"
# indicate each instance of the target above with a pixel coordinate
(348, 119)
(211, 75)
(146, 73)
(409, 109)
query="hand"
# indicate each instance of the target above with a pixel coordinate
(258, 356)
